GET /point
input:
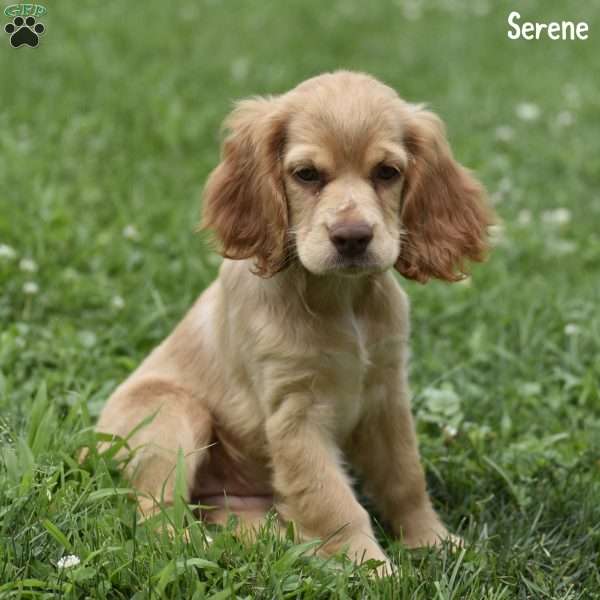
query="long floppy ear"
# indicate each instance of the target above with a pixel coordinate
(244, 198)
(444, 215)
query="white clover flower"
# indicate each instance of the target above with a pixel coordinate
(68, 562)
(87, 338)
(571, 94)
(558, 216)
(117, 302)
(28, 265)
(565, 118)
(528, 111)
(505, 185)
(524, 217)
(451, 5)
(449, 431)
(481, 9)
(240, 68)
(412, 11)
(130, 232)
(7, 252)
(572, 329)
(70, 274)
(500, 162)
(497, 234)
(560, 247)
(531, 388)
(505, 133)
(31, 288)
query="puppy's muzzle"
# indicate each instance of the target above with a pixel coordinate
(351, 239)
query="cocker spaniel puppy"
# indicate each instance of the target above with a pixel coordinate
(292, 364)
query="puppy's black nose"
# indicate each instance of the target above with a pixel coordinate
(351, 239)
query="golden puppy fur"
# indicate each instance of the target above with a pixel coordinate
(292, 364)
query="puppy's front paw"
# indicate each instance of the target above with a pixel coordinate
(426, 529)
(455, 541)
(367, 550)
(436, 540)
(386, 569)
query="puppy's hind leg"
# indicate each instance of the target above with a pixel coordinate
(177, 421)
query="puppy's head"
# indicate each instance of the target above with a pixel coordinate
(347, 178)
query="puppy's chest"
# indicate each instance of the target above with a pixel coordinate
(351, 374)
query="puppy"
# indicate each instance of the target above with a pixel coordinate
(292, 364)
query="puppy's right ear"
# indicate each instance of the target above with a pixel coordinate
(244, 198)
(444, 213)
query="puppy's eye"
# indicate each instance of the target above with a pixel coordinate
(307, 175)
(386, 173)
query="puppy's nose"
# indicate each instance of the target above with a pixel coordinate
(351, 239)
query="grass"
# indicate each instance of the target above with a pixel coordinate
(107, 131)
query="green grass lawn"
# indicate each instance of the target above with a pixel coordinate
(107, 132)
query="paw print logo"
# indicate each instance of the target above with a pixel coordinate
(24, 31)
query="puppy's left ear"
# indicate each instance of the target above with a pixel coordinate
(443, 215)
(244, 198)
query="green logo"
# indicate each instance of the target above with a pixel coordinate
(25, 10)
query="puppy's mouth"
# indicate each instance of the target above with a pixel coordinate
(353, 266)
